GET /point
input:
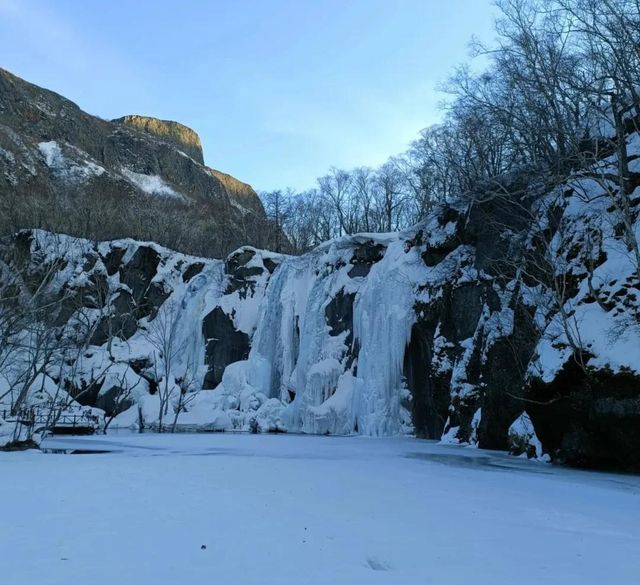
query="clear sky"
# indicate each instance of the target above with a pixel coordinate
(279, 90)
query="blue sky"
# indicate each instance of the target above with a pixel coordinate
(279, 90)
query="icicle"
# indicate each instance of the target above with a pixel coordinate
(383, 317)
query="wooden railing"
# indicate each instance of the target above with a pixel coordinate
(53, 418)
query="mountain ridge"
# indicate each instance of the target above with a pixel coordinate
(89, 172)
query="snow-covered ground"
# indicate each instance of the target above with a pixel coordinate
(309, 510)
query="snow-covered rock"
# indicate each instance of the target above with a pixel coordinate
(450, 330)
(523, 439)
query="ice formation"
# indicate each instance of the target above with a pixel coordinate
(297, 359)
(376, 334)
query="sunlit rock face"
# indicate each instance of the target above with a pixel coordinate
(183, 137)
(131, 177)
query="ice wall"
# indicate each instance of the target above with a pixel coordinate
(327, 381)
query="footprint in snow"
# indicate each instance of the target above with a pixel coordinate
(376, 564)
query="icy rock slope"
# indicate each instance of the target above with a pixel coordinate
(508, 325)
(329, 344)
(129, 322)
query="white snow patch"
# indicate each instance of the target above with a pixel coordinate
(150, 184)
(68, 168)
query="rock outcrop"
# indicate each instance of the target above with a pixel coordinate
(183, 137)
(132, 177)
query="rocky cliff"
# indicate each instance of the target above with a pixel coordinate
(65, 170)
(184, 138)
(508, 324)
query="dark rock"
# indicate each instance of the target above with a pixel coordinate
(113, 402)
(19, 445)
(241, 277)
(449, 215)
(192, 270)
(433, 255)
(140, 270)
(485, 229)
(121, 323)
(155, 297)
(86, 393)
(589, 418)
(113, 260)
(238, 259)
(467, 301)
(225, 345)
(502, 379)
(364, 256)
(90, 261)
(269, 264)
(140, 365)
(339, 313)
(430, 401)
(339, 316)
(138, 274)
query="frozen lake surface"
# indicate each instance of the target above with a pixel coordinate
(303, 510)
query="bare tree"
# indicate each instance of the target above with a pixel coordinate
(189, 388)
(389, 197)
(278, 208)
(162, 335)
(334, 187)
(123, 395)
(29, 341)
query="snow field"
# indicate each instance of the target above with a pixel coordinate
(309, 511)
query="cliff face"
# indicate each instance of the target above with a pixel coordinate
(242, 193)
(135, 176)
(184, 138)
(493, 324)
(511, 323)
